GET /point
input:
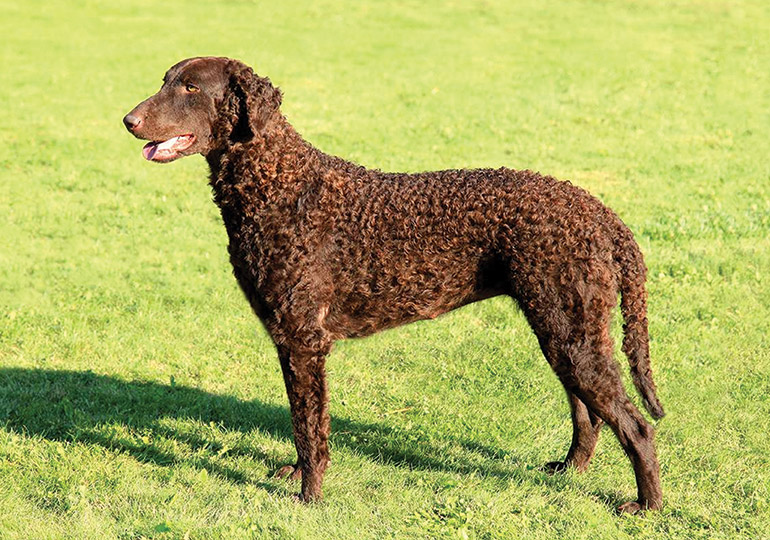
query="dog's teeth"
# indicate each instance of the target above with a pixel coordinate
(165, 145)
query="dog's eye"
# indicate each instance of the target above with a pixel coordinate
(192, 88)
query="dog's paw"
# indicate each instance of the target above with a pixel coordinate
(555, 467)
(289, 472)
(630, 507)
(310, 497)
(300, 498)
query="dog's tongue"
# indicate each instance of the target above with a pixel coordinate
(152, 149)
(149, 150)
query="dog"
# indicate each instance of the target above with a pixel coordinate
(325, 249)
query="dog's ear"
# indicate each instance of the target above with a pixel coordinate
(252, 101)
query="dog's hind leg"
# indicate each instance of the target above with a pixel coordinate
(585, 434)
(574, 334)
(610, 402)
(588, 371)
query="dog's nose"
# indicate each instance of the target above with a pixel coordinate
(131, 122)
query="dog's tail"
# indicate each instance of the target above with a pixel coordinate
(633, 306)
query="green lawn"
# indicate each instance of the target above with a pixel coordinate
(140, 398)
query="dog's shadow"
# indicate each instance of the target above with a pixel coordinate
(133, 417)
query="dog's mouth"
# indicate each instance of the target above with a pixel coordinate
(169, 149)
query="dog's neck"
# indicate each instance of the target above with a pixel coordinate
(276, 167)
(269, 180)
(272, 168)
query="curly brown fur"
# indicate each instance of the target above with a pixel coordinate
(325, 249)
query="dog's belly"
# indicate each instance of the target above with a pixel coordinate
(346, 325)
(359, 318)
(387, 293)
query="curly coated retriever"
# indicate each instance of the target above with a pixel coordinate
(325, 249)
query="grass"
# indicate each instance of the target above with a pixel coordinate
(139, 398)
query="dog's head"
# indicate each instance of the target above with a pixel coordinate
(204, 105)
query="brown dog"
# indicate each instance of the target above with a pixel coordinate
(325, 249)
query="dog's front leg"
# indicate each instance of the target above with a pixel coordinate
(305, 376)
